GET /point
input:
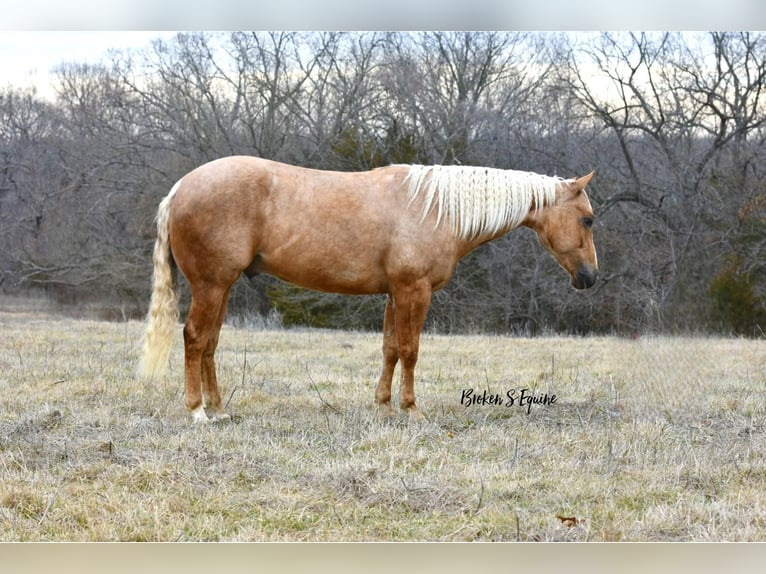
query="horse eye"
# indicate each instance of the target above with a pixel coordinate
(587, 222)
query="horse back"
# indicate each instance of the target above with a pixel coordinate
(332, 231)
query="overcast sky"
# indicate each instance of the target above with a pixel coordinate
(388, 15)
(27, 58)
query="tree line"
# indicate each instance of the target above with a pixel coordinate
(672, 124)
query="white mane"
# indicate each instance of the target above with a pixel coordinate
(479, 200)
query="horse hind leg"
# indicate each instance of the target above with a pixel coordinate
(201, 324)
(410, 310)
(211, 393)
(390, 358)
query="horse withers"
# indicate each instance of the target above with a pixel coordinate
(398, 230)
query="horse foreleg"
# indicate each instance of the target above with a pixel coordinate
(203, 314)
(209, 380)
(390, 358)
(410, 308)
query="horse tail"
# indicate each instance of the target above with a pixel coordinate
(162, 318)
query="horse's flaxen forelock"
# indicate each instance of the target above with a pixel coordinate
(477, 200)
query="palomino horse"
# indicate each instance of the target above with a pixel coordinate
(398, 230)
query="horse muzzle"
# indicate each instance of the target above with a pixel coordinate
(585, 277)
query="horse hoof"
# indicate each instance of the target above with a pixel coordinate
(416, 416)
(385, 411)
(221, 417)
(199, 416)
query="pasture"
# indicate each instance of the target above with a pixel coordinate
(655, 439)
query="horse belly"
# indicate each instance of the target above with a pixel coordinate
(326, 271)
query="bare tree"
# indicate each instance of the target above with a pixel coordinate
(453, 88)
(673, 124)
(674, 107)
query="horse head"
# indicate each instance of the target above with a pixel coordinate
(565, 230)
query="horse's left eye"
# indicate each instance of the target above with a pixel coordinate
(587, 222)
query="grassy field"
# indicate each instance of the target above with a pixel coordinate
(655, 439)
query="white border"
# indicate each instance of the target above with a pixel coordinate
(384, 15)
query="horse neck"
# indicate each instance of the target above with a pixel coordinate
(467, 245)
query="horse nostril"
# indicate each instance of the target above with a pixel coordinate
(585, 278)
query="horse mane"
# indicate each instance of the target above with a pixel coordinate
(479, 200)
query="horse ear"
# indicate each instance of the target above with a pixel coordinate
(580, 183)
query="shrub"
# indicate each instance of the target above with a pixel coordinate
(736, 305)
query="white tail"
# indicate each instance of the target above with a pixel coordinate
(162, 319)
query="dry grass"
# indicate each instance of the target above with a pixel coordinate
(655, 439)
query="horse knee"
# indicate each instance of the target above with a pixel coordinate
(209, 352)
(193, 339)
(390, 353)
(189, 333)
(408, 357)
